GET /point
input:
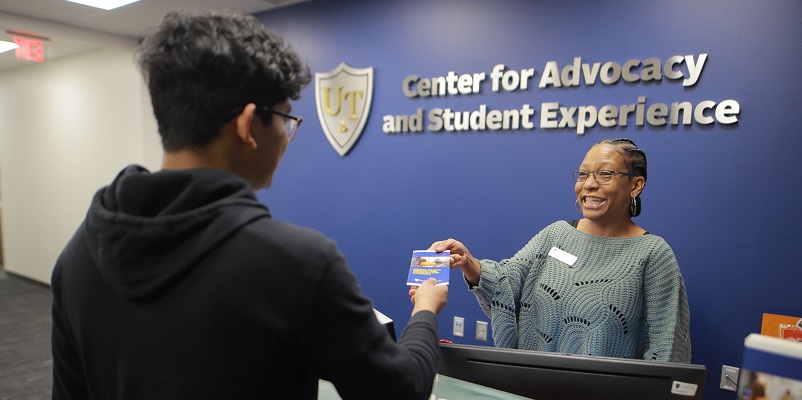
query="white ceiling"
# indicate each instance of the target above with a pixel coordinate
(72, 28)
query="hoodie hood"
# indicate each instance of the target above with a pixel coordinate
(147, 230)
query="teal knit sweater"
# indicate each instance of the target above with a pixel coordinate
(623, 297)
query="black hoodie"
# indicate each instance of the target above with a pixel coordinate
(179, 285)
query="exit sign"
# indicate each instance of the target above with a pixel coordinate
(30, 49)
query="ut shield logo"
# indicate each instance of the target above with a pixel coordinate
(343, 97)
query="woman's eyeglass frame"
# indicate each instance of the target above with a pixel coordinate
(581, 175)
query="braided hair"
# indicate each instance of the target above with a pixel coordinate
(635, 160)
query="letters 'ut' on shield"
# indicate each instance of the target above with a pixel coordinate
(343, 97)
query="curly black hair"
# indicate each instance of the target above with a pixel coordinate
(201, 67)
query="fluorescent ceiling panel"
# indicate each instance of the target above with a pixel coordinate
(6, 46)
(104, 4)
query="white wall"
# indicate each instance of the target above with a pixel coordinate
(66, 129)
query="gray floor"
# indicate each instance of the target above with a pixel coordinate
(25, 359)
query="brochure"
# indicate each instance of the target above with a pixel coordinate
(773, 322)
(427, 264)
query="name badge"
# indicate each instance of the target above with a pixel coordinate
(563, 256)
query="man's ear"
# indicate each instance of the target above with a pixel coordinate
(244, 125)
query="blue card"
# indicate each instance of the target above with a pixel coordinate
(427, 264)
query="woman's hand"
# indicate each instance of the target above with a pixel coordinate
(460, 258)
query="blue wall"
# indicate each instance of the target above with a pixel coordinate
(723, 196)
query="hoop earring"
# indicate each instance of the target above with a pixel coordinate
(633, 207)
(576, 205)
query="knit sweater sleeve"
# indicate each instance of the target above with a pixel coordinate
(501, 284)
(644, 268)
(666, 336)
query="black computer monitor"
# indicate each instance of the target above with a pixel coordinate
(554, 376)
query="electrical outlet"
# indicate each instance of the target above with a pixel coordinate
(729, 378)
(459, 326)
(481, 330)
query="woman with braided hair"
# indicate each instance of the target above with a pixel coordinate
(600, 285)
